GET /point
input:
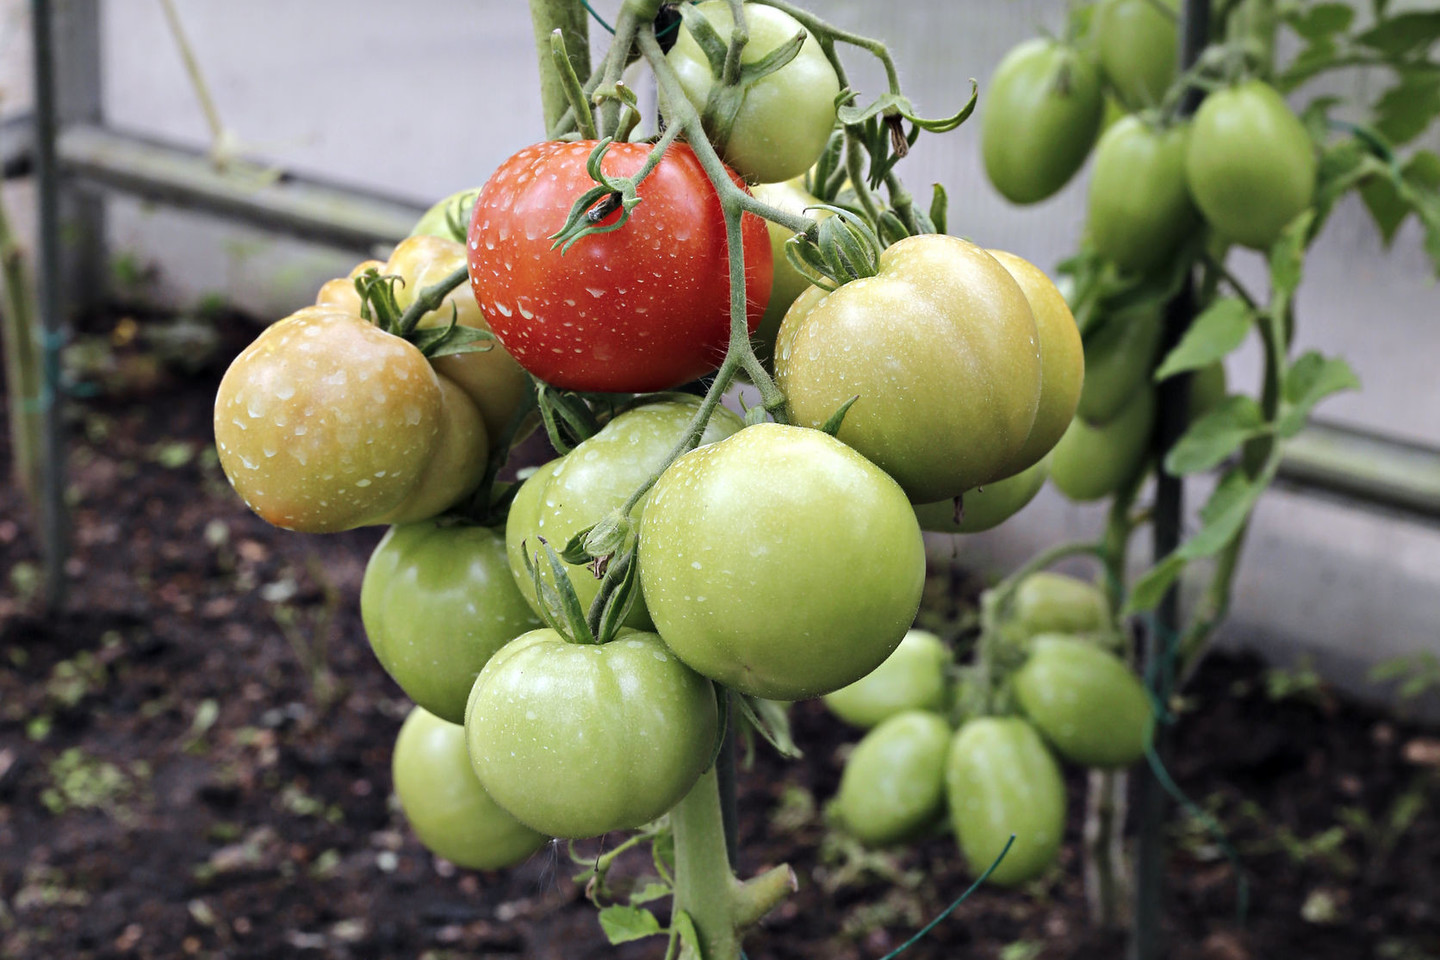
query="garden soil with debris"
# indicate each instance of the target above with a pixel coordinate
(180, 778)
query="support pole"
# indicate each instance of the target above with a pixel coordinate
(1147, 942)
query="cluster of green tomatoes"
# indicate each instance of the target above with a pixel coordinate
(571, 642)
(938, 744)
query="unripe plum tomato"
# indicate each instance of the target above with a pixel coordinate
(893, 785)
(780, 562)
(594, 479)
(942, 350)
(912, 678)
(785, 119)
(1048, 602)
(1208, 388)
(437, 601)
(1139, 204)
(1119, 355)
(328, 423)
(447, 808)
(1001, 779)
(1085, 701)
(436, 221)
(490, 378)
(641, 308)
(1137, 43)
(576, 740)
(985, 508)
(1091, 463)
(788, 283)
(1062, 360)
(1251, 164)
(1039, 119)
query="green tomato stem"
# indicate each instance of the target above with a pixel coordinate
(902, 203)
(430, 299)
(854, 167)
(739, 36)
(630, 22)
(574, 93)
(569, 17)
(702, 870)
(823, 32)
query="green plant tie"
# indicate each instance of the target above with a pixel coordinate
(609, 29)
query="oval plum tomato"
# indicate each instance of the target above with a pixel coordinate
(1047, 602)
(893, 785)
(641, 308)
(985, 508)
(437, 602)
(327, 423)
(1120, 353)
(784, 120)
(1000, 779)
(1062, 360)
(491, 378)
(596, 478)
(447, 808)
(788, 283)
(1138, 46)
(942, 350)
(1090, 463)
(1139, 205)
(577, 740)
(1039, 119)
(1085, 701)
(780, 562)
(912, 678)
(1251, 164)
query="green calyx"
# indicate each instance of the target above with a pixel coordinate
(378, 305)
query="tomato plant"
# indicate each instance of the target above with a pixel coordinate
(437, 601)
(1251, 164)
(576, 740)
(780, 562)
(772, 127)
(942, 350)
(1085, 701)
(913, 677)
(641, 308)
(1000, 779)
(447, 808)
(1040, 119)
(893, 785)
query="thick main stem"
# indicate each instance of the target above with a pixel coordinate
(703, 880)
(22, 364)
(1105, 888)
(567, 16)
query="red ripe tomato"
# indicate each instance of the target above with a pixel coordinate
(641, 308)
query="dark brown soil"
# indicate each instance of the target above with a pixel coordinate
(172, 783)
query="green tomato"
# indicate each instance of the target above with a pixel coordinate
(1039, 119)
(437, 602)
(1091, 463)
(911, 678)
(448, 218)
(1047, 602)
(1208, 388)
(985, 508)
(781, 126)
(576, 740)
(893, 786)
(1085, 701)
(942, 349)
(594, 479)
(1120, 352)
(1138, 46)
(1251, 164)
(1139, 204)
(447, 808)
(1000, 779)
(780, 562)
(786, 283)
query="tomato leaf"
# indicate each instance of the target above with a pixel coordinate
(1406, 33)
(1322, 20)
(1407, 109)
(623, 923)
(771, 720)
(1150, 589)
(650, 893)
(1219, 329)
(1320, 56)
(1387, 208)
(1215, 436)
(1287, 258)
(1312, 378)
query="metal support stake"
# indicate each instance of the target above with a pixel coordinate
(1174, 400)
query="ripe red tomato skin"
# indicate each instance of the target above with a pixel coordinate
(641, 308)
